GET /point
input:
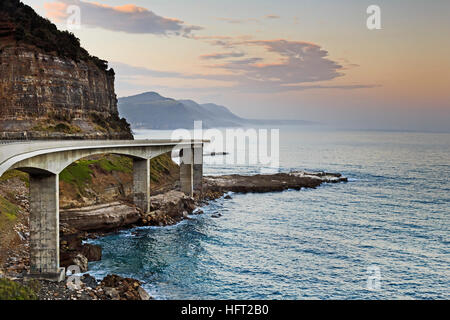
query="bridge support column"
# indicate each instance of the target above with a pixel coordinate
(141, 184)
(44, 227)
(198, 168)
(187, 170)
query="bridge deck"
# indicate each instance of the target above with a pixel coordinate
(13, 149)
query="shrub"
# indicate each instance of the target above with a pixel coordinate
(10, 290)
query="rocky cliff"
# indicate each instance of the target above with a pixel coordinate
(50, 87)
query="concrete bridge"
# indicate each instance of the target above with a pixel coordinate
(44, 161)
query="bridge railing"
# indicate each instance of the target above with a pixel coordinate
(12, 141)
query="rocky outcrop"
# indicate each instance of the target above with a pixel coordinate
(169, 208)
(119, 288)
(166, 209)
(269, 182)
(101, 217)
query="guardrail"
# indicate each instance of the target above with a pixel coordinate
(11, 141)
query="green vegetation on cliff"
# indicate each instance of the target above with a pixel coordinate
(15, 174)
(91, 177)
(161, 167)
(8, 218)
(10, 290)
(8, 210)
(80, 173)
(33, 29)
(102, 124)
(59, 127)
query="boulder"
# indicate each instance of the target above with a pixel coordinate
(143, 294)
(89, 281)
(80, 261)
(92, 252)
(112, 293)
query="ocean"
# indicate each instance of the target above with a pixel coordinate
(383, 235)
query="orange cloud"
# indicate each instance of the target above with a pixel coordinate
(56, 10)
(127, 18)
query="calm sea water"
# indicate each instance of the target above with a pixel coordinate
(393, 216)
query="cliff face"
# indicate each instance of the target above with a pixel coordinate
(45, 96)
(51, 93)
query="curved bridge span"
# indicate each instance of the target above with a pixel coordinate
(44, 161)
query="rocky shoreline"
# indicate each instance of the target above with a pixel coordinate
(171, 207)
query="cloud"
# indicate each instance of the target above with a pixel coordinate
(128, 18)
(297, 66)
(225, 42)
(241, 21)
(272, 16)
(299, 62)
(291, 66)
(221, 55)
(237, 21)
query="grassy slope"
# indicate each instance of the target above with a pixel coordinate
(81, 173)
(9, 213)
(8, 210)
(15, 174)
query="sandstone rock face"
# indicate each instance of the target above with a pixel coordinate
(43, 96)
(100, 218)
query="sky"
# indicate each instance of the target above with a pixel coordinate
(288, 59)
